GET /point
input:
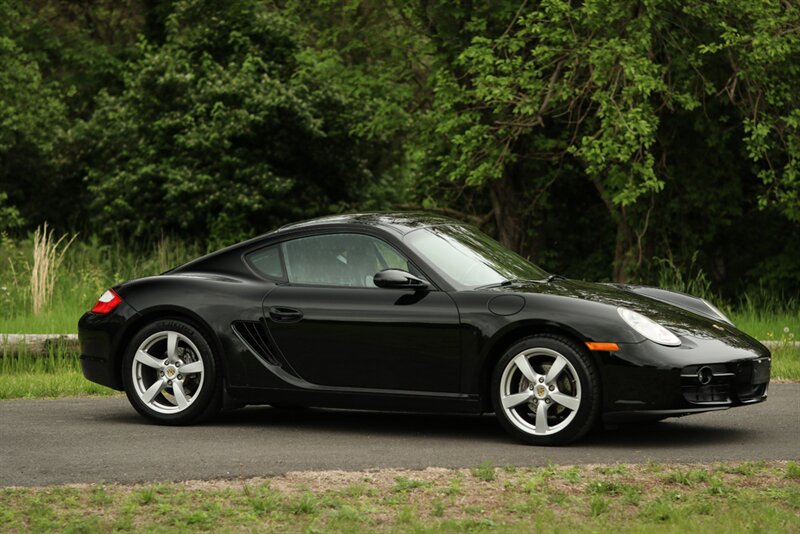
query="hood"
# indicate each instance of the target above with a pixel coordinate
(678, 312)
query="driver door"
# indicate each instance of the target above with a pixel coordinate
(336, 328)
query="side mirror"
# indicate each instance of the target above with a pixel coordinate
(397, 279)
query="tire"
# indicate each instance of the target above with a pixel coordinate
(156, 380)
(539, 409)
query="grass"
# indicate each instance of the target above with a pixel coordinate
(48, 255)
(763, 497)
(89, 267)
(786, 363)
(56, 374)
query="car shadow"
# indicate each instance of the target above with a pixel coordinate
(455, 426)
(676, 433)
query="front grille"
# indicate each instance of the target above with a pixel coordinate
(722, 383)
(711, 393)
(253, 334)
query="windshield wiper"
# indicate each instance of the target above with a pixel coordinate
(496, 284)
(552, 277)
(509, 282)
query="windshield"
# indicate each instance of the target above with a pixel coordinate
(469, 259)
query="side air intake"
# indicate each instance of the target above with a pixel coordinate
(253, 334)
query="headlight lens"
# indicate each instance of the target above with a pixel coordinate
(717, 312)
(648, 328)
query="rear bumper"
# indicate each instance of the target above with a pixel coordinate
(102, 344)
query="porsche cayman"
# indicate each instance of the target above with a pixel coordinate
(413, 312)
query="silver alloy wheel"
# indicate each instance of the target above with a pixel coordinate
(540, 391)
(168, 372)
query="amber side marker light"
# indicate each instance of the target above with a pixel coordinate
(609, 347)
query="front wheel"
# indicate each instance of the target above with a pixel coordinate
(546, 391)
(170, 375)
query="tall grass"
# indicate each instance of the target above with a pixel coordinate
(47, 259)
(762, 314)
(86, 269)
(690, 279)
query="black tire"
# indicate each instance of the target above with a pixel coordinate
(577, 385)
(201, 389)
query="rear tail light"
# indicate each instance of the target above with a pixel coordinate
(107, 302)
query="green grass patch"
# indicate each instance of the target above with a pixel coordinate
(38, 385)
(778, 325)
(89, 268)
(485, 472)
(758, 496)
(786, 362)
(55, 374)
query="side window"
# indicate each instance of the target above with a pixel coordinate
(390, 258)
(347, 260)
(267, 262)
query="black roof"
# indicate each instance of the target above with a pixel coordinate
(401, 222)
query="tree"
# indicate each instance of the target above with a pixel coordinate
(589, 87)
(228, 128)
(32, 115)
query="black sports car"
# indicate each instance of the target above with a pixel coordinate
(409, 311)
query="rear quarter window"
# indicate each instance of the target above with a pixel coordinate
(267, 262)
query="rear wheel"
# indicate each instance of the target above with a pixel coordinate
(170, 375)
(545, 391)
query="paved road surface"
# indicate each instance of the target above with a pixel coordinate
(93, 440)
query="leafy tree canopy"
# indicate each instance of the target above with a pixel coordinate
(228, 128)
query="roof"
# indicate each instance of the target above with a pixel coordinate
(402, 222)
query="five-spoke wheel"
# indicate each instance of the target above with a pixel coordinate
(169, 373)
(545, 390)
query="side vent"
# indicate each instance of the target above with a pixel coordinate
(253, 334)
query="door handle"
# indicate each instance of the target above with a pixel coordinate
(281, 314)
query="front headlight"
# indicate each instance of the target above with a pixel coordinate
(648, 328)
(716, 312)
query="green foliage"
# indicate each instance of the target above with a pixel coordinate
(682, 123)
(596, 138)
(9, 215)
(32, 114)
(594, 82)
(225, 130)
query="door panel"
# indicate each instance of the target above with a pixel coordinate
(367, 337)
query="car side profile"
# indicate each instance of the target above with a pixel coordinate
(414, 312)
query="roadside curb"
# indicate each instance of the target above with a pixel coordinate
(37, 344)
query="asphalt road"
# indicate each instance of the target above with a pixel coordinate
(104, 440)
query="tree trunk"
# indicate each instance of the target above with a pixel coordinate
(623, 250)
(623, 247)
(509, 214)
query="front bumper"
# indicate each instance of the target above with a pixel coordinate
(102, 342)
(649, 381)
